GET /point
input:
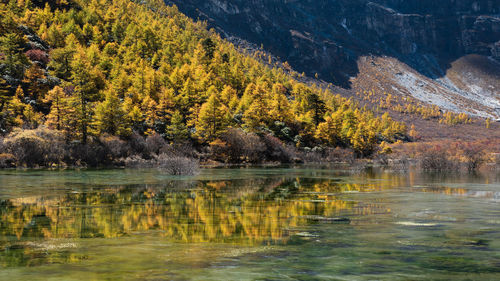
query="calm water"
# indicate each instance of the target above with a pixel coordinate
(248, 224)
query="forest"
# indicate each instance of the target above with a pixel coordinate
(115, 79)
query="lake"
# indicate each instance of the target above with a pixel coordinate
(288, 223)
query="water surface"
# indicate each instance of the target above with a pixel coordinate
(300, 223)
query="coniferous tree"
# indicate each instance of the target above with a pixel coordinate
(59, 108)
(85, 92)
(177, 131)
(110, 117)
(11, 48)
(212, 117)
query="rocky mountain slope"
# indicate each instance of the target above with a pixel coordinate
(425, 43)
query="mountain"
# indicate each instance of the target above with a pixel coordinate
(94, 71)
(445, 53)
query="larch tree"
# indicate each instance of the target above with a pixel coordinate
(59, 108)
(212, 118)
(11, 48)
(110, 117)
(85, 91)
(177, 131)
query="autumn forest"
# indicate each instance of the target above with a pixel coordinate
(87, 72)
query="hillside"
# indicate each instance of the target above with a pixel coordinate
(90, 70)
(428, 41)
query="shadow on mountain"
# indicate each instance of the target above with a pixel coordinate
(326, 37)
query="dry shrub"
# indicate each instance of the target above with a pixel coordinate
(325, 155)
(340, 155)
(89, 155)
(311, 156)
(449, 155)
(172, 165)
(474, 155)
(154, 144)
(437, 159)
(495, 157)
(34, 148)
(138, 144)
(276, 150)
(114, 146)
(183, 149)
(38, 55)
(177, 165)
(7, 160)
(136, 161)
(237, 146)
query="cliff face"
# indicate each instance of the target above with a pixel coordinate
(328, 36)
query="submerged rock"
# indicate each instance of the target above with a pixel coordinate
(327, 219)
(410, 223)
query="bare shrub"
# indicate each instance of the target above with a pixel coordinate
(294, 153)
(276, 150)
(177, 165)
(182, 149)
(496, 159)
(172, 165)
(381, 159)
(38, 147)
(474, 155)
(436, 159)
(326, 155)
(7, 160)
(238, 146)
(340, 155)
(402, 163)
(114, 146)
(137, 143)
(91, 155)
(154, 144)
(136, 161)
(312, 156)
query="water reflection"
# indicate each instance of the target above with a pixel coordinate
(244, 212)
(248, 211)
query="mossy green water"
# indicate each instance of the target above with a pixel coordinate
(298, 223)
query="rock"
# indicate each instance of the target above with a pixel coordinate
(34, 41)
(327, 36)
(416, 224)
(327, 219)
(306, 235)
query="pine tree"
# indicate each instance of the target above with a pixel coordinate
(58, 108)
(110, 117)
(212, 117)
(32, 78)
(5, 95)
(11, 48)
(85, 92)
(317, 106)
(177, 131)
(257, 114)
(280, 106)
(329, 131)
(61, 58)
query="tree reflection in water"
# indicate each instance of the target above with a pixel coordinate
(243, 212)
